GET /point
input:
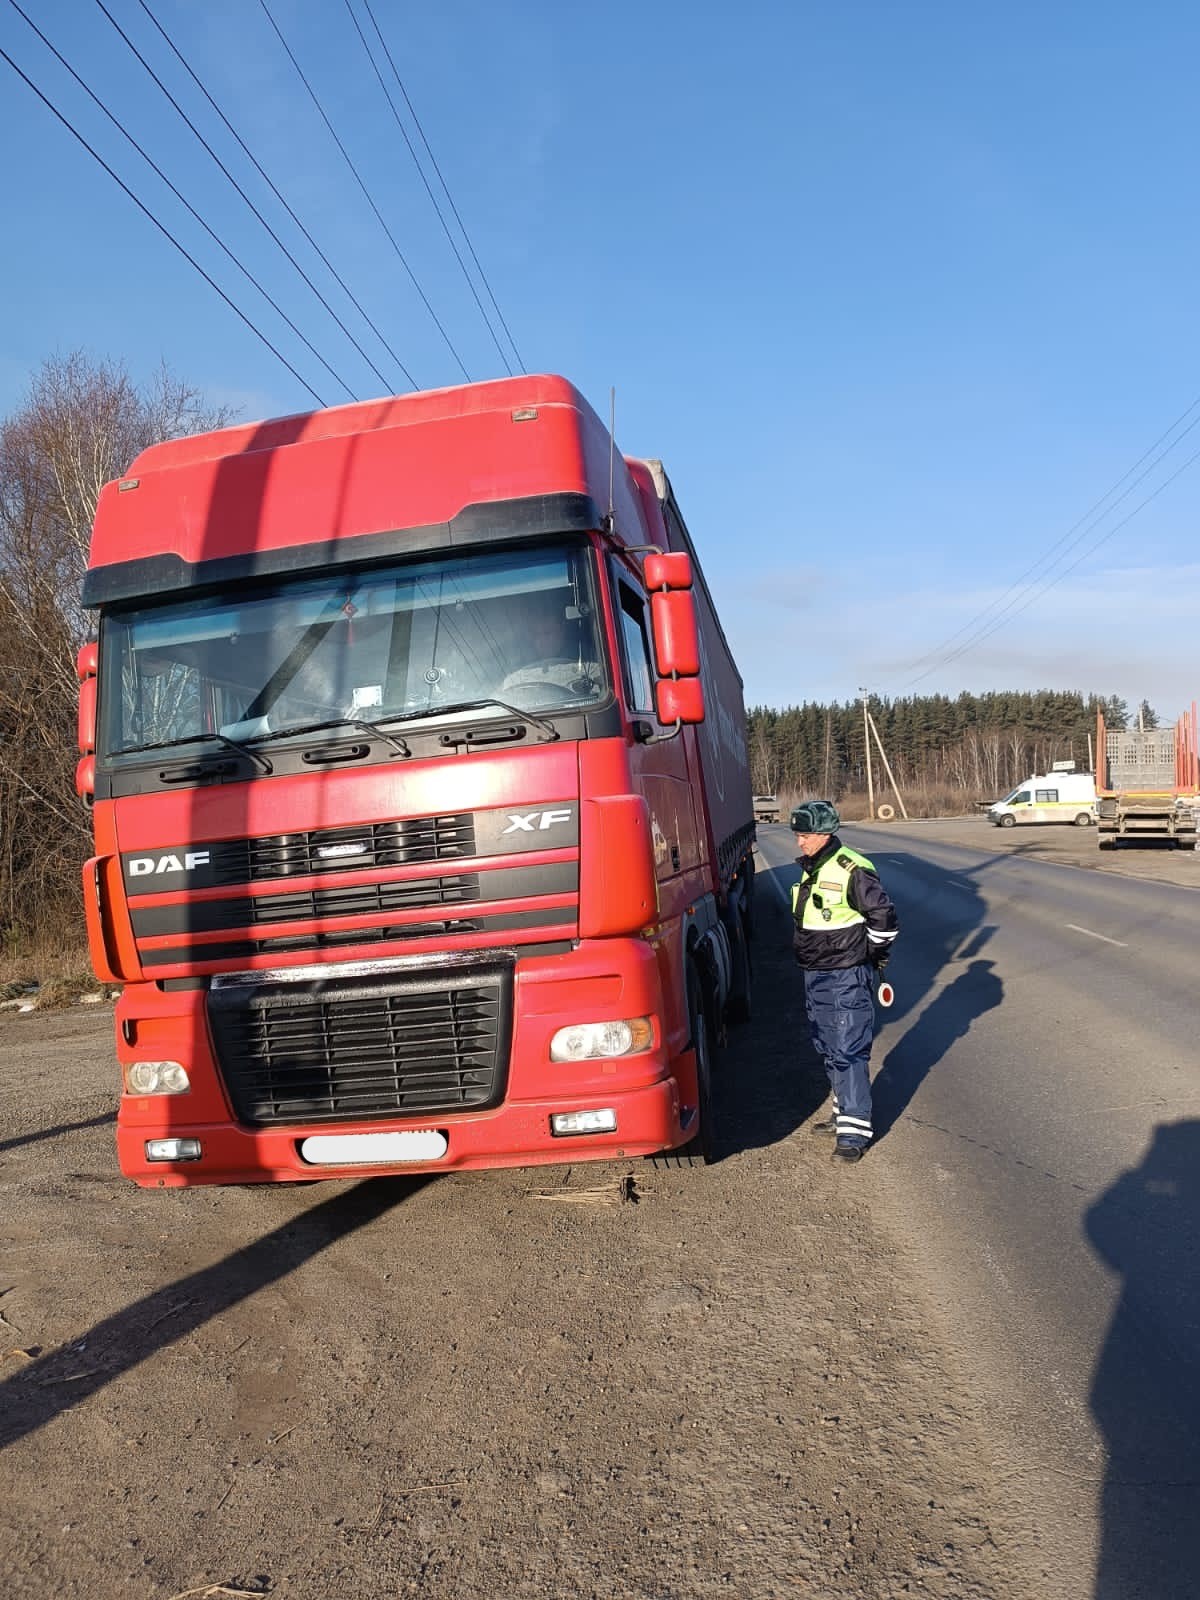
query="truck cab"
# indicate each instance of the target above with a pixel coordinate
(417, 769)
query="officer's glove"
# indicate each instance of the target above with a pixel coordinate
(880, 955)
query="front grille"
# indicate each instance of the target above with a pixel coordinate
(373, 845)
(354, 1048)
(356, 900)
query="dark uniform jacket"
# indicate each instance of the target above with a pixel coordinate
(848, 945)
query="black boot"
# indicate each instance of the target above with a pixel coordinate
(827, 1125)
(843, 1151)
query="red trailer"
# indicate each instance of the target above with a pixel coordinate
(418, 772)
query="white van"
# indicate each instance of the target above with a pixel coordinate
(1049, 797)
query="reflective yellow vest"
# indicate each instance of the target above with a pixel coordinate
(828, 904)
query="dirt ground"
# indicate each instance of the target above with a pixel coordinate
(599, 1381)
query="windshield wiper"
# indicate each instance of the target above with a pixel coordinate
(200, 738)
(547, 728)
(372, 728)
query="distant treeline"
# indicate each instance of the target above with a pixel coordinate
(972, 747)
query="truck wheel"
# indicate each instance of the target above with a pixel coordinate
(1008, 820)
(700, 1150)
(1083, 820)
(741, 1000)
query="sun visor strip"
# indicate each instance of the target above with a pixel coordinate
(487, 522)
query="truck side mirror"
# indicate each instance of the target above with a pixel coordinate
(678, 695)
(668, 570)
(86, 666)
(676, 637)
(679, 700)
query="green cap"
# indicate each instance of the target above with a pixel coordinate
(816, 816)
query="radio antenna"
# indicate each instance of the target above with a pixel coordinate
(612, 450)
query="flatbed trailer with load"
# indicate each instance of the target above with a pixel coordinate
(386, 883)
(1148, 783)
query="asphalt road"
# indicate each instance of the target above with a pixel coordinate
(1037, 1101)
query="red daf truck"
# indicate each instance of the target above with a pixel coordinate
(417, 765)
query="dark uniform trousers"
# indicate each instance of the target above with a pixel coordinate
(841, 1016)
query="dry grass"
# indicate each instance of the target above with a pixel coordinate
(924, 800)
(60, 969)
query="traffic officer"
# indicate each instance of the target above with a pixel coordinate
(845, 925)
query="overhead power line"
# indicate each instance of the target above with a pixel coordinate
(162, 228)
(1079, 560)
(979, 628)
(366, 192)
(445, 187)
(186, 65)
(248, 201)
(428, 190)
(157, 170)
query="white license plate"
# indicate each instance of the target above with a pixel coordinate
(372, 1149)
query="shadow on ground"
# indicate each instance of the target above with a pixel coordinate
(1146, 1389)
(58, 1381)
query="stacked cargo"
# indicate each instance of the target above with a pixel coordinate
(1148, 782)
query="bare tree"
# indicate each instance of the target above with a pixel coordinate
(81, 424)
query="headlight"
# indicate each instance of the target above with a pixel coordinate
(155, 1077)
(172, 1149)
(584, 1041)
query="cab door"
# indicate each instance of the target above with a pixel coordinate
(659, 766)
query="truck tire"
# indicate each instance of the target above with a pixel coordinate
(885, 813)
(1008, 820)
(1084, 819)
(700, 1150)
(741, 1000)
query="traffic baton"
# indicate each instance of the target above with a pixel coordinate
(885, 993)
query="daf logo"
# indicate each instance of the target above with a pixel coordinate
(146, 866)
(533, 821)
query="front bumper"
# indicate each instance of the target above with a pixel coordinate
(510, 1136)
(599, 980)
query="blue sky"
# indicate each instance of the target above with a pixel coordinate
(896, 290)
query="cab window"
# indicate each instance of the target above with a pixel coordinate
(1023, 798)
(635, 651)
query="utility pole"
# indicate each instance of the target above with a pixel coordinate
(867, 742)
(887, 767)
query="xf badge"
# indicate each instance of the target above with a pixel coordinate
(533, 821)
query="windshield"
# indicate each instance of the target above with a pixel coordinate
(403, 640)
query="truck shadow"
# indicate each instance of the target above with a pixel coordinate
(769, 1080)
(1145, 1392)
(39, 1134)
(61, 1379)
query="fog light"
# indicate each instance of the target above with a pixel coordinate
(563, 1123)
(172, 1149)
(585, 1041)
(155, 1077)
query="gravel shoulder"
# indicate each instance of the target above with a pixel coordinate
(605, 1380)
